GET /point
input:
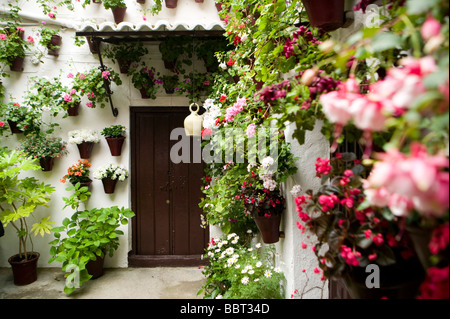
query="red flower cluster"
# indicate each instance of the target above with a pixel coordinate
(323, 167)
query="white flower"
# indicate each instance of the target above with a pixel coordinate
(268, 274)
(267, 161)
(229, 250)
(277, 270)
(251, 272)
(296, 191)
(249, 231)
(112, 171)
(244, 37)
(219, 297)
(244, 280)
(231, 236)
(258, 264)
(258, 245)
(80, 136)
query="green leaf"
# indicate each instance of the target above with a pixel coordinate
(385, 41)
(420, 6)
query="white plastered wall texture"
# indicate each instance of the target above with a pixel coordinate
(292, 258)
(75, 59)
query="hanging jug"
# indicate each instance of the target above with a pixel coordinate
(193, 123)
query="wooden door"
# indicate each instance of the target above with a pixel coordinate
(165, 196)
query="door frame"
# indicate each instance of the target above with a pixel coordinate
(135, 260)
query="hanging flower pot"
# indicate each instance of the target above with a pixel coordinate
(24, 271)
(14, 128)
(17, 64)
(73, 110)
(109, 185)
(119, 14)
(124, 65)
(326, 14)
(398, 281)
(46, 163)
(199, 1)
(115, 145)
(171, 4)
(85, 149)
(55, 42)
(140, 1)
(92, 47)
(95, 267)
(269, 228)
(420, 238)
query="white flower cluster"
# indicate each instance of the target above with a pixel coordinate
(80, 136)
(296, 191)
(113, 171)
(265, 174)
(212, 113)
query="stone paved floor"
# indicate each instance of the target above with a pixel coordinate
(122, 283)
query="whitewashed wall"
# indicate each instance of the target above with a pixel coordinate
(293, 259)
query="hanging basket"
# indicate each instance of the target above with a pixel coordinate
(119, 14)
(269, 228)
(420, 238)
(326, 14)
(55, 41)
(73, 110)
(17, 65)
(109, 185)
(124, 65)
(115, 145)
(397, 281)
(14, 128)
(171, 4)
(85, 149)
(46, 163)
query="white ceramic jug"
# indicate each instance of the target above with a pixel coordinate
(193, 123)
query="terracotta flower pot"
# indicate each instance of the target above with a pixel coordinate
(269, 228)
(14, 128)
(140, 1)
(420, 238)
(398, 281)
(171, 4)
(86, 183)
(124, 65)
(119, 14)
(46, 163)
(92, 47)
(17, 65)
(73, 110)
(109, 185)
(326, 14)
(56, 41)
(199, 1)
(144, 94)
(85, 149)
(95, 267)
(115, 145)
(24, 271)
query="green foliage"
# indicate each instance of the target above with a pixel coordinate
(46, 37)
(92, 84)
(20, 196)
(39, 145)
(86, 235)
(27, 119)
(239, 272)
(129, 52)
(146, 79)
(114, 131)
(111, 4)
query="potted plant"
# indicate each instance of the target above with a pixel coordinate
(12, 47)
(172, 50)
(357, 233)
(326, 14)
(85, 140)
(237, 271)
(89, 235)
(146, 80)
(78, 173)
(21, 119)
(125, 54)
(109, 175)
(19, 198)
(115, 136)
(92, 85)
(44, 148)
(170, 82)
(118, 8)
(51, 40)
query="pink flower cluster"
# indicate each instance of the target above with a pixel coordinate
(419, 181)
(237, 107)
(436, 285)
(328, 202)
(350, 256)
(390, 96)
(323, 167)
(303, 31)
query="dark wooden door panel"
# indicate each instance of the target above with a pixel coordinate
(165, 195)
